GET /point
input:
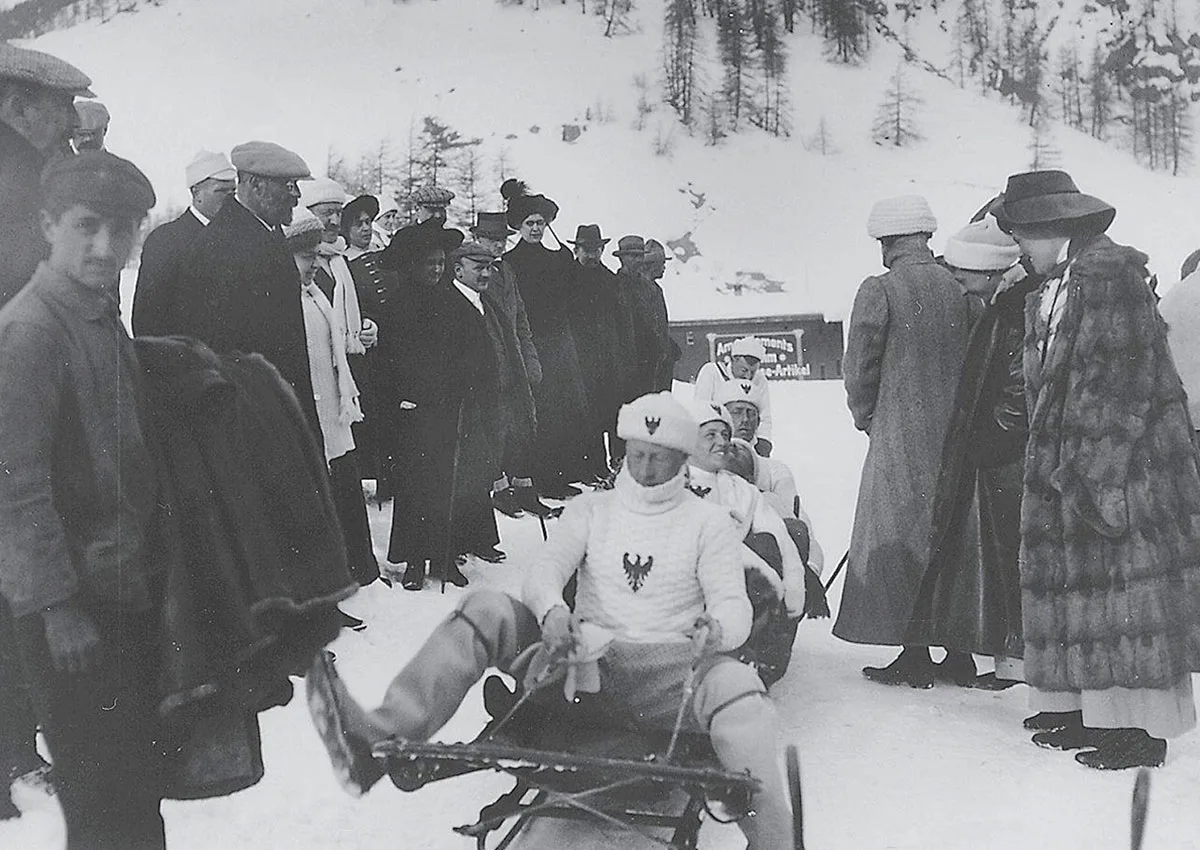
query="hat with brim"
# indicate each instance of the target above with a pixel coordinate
(655, 250)
(104, 183)
(523, 206)
(41, 69)
(633, 246)
(491, 225)
(368, 204)
(588, 236)
(411, 244)
(1043, 199)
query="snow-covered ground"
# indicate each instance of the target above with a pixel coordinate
(883, 767)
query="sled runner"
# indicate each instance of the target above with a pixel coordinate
(568, 766)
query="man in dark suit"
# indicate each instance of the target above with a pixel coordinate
(210, 179)
(37, 116)
(237, 287)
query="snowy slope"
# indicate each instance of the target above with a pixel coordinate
(312, 75)
(884, 768)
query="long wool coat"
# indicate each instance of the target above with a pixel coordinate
(158, 272)
(970, 597)
(904, 352)
(22, 246)
(1110, 521)
(544, 277)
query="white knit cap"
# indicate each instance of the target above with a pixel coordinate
(322, 190)
(900, 216)
(208, 164)
(738, 390)
(387, 204)
(303, 221)
(982, 246)
(749, 346)
(660, 419)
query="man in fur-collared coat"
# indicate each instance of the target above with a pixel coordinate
(1110, 554)
(904, 353)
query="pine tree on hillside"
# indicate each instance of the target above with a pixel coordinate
(772, 108)
(845, 27)
(1100, 95)
(680, 53)
(437, 147)
(1043, 153)
(733, 43)
(896, 119)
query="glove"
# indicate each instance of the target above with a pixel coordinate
(794, 595)
(369, 334)
(706, 635)
(763, 446)
(72, 637)
(560, 631)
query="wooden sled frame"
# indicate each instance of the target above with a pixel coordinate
(571, 786)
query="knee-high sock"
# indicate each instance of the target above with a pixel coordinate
(488, 629)
(743, 736)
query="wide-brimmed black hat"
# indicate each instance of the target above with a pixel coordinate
(588, 235)
(410, 244)
(1040, 198)
(361, 204)
(523, 206)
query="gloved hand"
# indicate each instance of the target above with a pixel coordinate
(72, 637)
(706, 635)
(794, 594)
(763, 447)
(560, 631)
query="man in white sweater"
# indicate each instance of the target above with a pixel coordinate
(658, 569)
(745, 367)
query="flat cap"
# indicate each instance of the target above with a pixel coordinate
(432, 196)
(472, 250)
(100, 181)
(268, 159)
(93, 115)
(207, 165)
(42, 69)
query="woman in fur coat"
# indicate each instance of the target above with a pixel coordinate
(1110, 554)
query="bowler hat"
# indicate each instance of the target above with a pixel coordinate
(588, 235)
(491, 225)
(411, 243)
(1049, 197)
(634, 245)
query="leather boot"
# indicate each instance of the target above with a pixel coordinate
(912, 667)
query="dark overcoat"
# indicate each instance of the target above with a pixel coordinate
(970, 596)
(544, 279)
(904, 352)
(1110, 520)
(505, 295)
(639, 303)
(162, 253)
(22, 245)
(516, 422)
(239, 290)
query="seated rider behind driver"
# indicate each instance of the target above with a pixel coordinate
(746, 356)
(658, 568)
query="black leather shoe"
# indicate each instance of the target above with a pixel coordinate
(414, 577)
(507, 503)
(916, 671)
(528, 499)
(1070, 738)
(1123, 749)
(490, 554)
(991, 682)
(958, 668)
(1047, 720)
(449, 574)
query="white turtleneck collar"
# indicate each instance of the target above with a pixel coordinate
(650, 500)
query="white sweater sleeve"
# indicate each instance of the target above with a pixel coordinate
(707, 381)
(765, 421)
(723, 582)
(559, 559)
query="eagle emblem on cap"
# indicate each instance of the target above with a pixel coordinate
(746, 388)
(637, 570)
(652, 423)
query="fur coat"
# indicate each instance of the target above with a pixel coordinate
(1110, 519)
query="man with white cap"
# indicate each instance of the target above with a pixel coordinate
(37, 117)
(37, 114)
(210, 180)
(658, 573)
(746, 356)
(970, 596)
(904, 353)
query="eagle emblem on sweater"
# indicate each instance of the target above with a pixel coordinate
(636, 570)
(699, 490)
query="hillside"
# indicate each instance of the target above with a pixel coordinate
(200, 73)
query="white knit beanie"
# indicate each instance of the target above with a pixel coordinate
(738, 390)
(748, 346)
(900, 216)
(982, 246)
(709, 411)
(660, 419)
(322, 190)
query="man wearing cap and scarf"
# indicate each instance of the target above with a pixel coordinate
(430, 202)
(238, 288)
(970, 596)
(1110, 561)
(659, 580)
(210, 179)
(604, 341)
(513, 492)
(75, 506)
(92, 125)
(36, 118)
(904, 353)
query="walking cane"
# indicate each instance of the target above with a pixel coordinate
(447, 550)
(841, 566)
